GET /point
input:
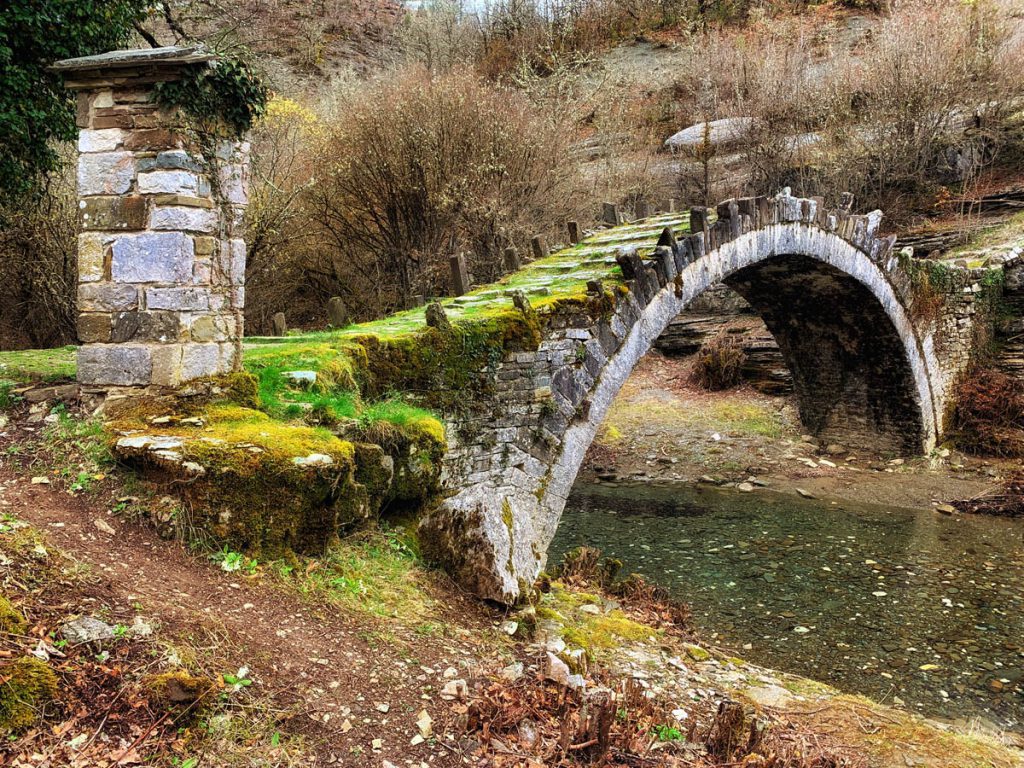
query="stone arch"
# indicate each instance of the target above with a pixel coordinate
(493, 532)
(799, 253)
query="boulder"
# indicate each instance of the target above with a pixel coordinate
(720, 133)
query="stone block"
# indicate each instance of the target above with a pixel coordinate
(237, 271)
(132, 96)
(233, 184)
(106, 140)
(151, 138)
(184, 219)
(121, 213)
(191, 202)
(93, 328)
(175, 159)
(120, 120)
(145, 326)
(92, 256)
(202, 272)
(152, 257)
(169, 183)
(210, 328)
(107, 297)
(105, 173)
(166, 368)
(118, 365)
(198, 360)
(204, 246)
(178, 299)
(83, 110)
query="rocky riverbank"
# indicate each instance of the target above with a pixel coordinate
(664, 429)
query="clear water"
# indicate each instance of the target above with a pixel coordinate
(903, 606)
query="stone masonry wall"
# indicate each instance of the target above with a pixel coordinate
(161, 259)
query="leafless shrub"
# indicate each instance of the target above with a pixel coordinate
(989, 415)
(418, 168)
(719, 363)
(926, 100)
(282, 271)
(38, 266)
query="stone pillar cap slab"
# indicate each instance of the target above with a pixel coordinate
(173, 55)
(140, 66)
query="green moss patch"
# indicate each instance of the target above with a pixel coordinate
(26, 686)
(178, 690)
(593, 631)
(11, 620)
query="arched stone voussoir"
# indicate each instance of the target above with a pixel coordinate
(493, 532)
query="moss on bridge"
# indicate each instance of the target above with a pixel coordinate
(326, 429)
(400, 359)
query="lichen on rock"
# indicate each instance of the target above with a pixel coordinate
(178, 689)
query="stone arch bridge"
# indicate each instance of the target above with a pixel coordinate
(869, 368)
(161, 293)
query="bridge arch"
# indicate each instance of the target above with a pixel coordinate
(827, 288)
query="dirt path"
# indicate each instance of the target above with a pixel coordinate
(325, 668)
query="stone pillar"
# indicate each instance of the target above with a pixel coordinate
(161, 262)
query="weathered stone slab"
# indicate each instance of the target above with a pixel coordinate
(169, 182)
(109, 213)
(178, 299)
(106, 297)
(105, 173)
(145, 326)
(184, 219)
(106, 140)
(117, 365)
(152, 257)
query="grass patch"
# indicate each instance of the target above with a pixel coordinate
(1005, 233)
(376, 572)
(79, 449)
(7, 397)
(31, 366)
(630, 415)
(748, 419)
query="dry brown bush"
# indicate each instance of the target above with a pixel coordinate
(419, 168)
(926, 99)
(719, 363)
(989, 415)
(38, 266)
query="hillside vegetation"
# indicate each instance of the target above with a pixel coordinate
(395, 139)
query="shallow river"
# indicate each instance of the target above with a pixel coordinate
(904, 606)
